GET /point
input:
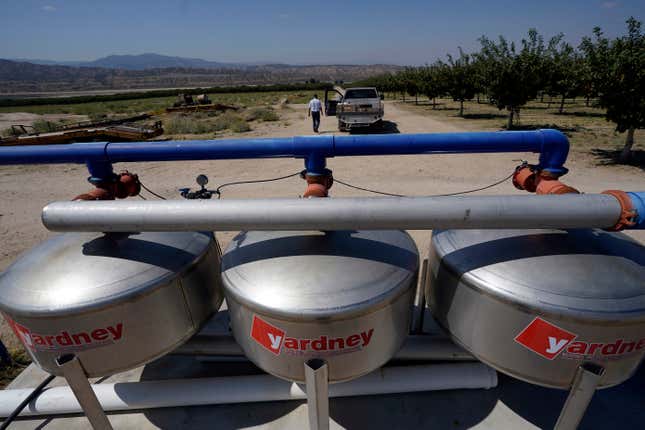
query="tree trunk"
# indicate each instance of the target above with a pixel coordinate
(542, 98)
(461, 108)
(403, 96)
(416, 99)
(434, 103)
(626, 153)
(587, 101)
(510, 119)
(477, 98)
(548, 106)
(562, 104)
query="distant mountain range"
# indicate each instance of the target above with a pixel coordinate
(119, 72)
(143, 62)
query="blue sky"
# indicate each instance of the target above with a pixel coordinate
(300, 32)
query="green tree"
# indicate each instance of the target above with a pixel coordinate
(432, 81)
(410, 82)
(618, 70)
(564, 68)
(461, 79)
(513, 77)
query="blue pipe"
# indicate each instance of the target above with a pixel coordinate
(638, 201)
(551, 144)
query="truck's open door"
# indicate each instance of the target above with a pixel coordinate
(332, 100)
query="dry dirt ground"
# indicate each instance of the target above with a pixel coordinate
(24, 190)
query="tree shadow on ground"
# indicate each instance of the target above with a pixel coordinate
(483, 115)
(610, 157)
(529, 127)
(386, 127)
(445, 108)
(582, 114)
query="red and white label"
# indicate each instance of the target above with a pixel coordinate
(277, 340)
(267, 335)
(544, 338)
(551, 341)
(67, 339)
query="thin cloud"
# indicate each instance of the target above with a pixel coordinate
(610, 4)
(48, 8)
(284, 16)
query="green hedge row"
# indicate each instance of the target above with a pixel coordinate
(160, 93)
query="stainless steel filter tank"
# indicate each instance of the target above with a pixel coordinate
(536, 304)
(341, 296)
(116, 301)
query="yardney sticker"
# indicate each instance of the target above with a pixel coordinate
(67, 339)
(277, 341)
(551, 341)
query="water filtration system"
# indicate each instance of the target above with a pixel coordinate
(322, 291)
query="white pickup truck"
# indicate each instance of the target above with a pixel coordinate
(357, 107)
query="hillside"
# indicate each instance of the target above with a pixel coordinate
(155, 61)
(16, 76)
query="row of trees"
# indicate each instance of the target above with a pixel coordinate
(510, 75)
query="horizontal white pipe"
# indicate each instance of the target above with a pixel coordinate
(415, 348)
(408, 213)
(243, 389)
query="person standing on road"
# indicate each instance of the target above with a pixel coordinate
(314, 111)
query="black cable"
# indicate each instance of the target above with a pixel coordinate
(433, 195)
(151, 192)
(494, 184)
(256, 181)
(25, 402)
(142, 198)
(367, 189)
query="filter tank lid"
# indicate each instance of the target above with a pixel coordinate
(594, 273)
(318, 275)
(75, 272)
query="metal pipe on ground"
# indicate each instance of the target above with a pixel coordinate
(415, 348)
(246, 389)
(409, 213)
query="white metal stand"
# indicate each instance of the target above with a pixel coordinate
(582, 390)
(317, 383)
(80, 386)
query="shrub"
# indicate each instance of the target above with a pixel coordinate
(232, 121)
(178, 124)
(262, 114)
(44, 126)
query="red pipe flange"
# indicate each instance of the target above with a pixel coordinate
(125, 184)
(318, 185)
(627, 213)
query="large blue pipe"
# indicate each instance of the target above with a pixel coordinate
(552, 145)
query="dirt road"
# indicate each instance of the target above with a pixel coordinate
(24, 190)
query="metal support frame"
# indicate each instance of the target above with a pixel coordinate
(80, 386)
(415, 348)
(416, 320)
(317, 385)
(583, 388)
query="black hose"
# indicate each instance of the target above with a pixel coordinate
(25, 402)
